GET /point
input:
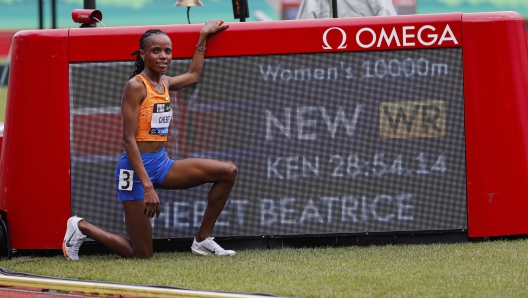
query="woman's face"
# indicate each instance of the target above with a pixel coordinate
(157, 53)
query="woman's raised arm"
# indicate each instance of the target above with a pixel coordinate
(195, 68)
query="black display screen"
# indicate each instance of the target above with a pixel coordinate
(347, 142)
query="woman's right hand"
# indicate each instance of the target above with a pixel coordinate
(212, 27)
(152, 202)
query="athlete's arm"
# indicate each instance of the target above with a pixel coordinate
(133, 95)
(195, 68)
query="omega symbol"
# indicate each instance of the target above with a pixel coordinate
(343, 41)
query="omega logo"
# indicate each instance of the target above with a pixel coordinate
(343, 41)
(404, 36)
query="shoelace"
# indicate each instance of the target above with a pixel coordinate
(79, 241)
(214, 244)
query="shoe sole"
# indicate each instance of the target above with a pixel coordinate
(68, 224)
(226, 255)
(64, 250)
(206, 253)
(65, 253)
(201, 253)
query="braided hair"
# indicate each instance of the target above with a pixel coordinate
(139, 64)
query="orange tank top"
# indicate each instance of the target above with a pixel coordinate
(154, 114)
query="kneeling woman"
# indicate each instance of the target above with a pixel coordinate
(145, 166)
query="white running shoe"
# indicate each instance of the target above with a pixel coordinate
(73, 239)
(208, 247)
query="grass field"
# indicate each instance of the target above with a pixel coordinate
(3, 98)
(3, 93)
(477, 269)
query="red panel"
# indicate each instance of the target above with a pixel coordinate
(496, 103)
(35, 173)
(277, 37)
(5, 42)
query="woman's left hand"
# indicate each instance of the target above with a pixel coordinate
(213, 26)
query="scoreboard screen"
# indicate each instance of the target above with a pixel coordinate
(347, 142)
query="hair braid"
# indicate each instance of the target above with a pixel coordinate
(139, 64)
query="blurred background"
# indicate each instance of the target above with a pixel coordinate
(18, 15)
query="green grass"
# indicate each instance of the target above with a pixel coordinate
(482, 269)
(3, 100)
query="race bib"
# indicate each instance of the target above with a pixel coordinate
(126, 181)
(161, 118)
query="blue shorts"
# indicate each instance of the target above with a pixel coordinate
(129, 187)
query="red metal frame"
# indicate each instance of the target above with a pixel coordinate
(5, 42)
(35, 160)
(496, 103)
(255, 38)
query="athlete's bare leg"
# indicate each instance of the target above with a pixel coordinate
(183, 174)
(139, 230)
(191, 172)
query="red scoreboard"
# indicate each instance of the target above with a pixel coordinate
(398, 124)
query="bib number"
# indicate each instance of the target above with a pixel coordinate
(161, 118)
(126, 181)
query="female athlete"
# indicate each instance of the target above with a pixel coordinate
(144, 166)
